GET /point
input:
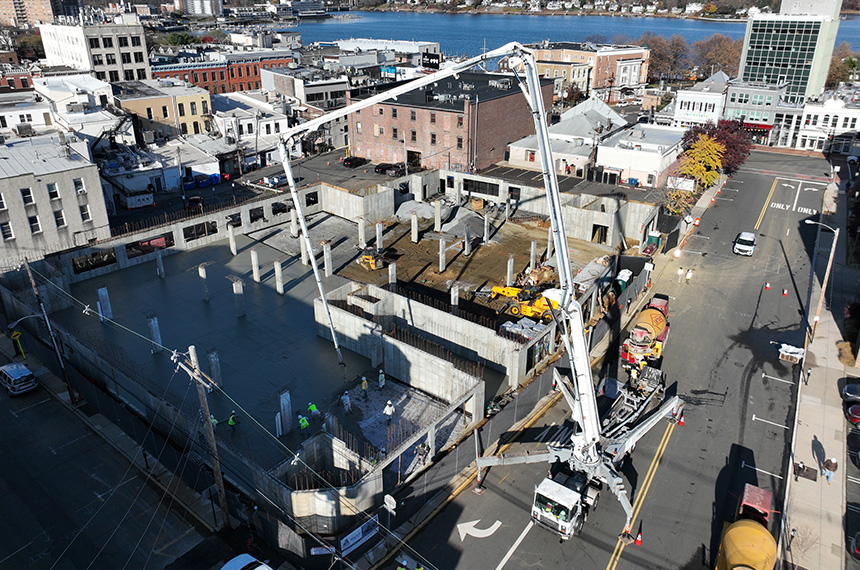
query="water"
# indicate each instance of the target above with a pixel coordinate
(465, 34)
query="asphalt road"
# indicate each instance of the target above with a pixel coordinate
(71, 502)
(684, 481)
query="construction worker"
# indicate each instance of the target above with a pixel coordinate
(680, 273)
(381, 379)
(232, 421)
(421, 450)
(345, 401)
(689, 276)
(364, 386)
(303, 424)
(388, 411)
(315, 413)
(213, 420)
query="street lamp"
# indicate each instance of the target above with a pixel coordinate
(826, 272)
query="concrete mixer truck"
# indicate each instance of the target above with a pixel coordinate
(644, 345)
(747, 544)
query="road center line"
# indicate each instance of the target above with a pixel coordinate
(766, 202)
(515, 545)
(763, 375)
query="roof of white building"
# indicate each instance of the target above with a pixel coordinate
(38, 155)
(646, 137)
(151, 88)
(72, 83)
(592, 107)
(715, 83)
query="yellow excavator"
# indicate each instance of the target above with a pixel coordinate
(529, 301)
(372, 259)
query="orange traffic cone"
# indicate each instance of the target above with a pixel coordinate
(681, 421)
(638, 540)
(785, 292)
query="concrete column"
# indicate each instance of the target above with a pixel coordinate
(507, 208)
(154, 333)
(105, 311)
(294, 223)
(362, 234)
(431, 441)
(475, 406)
(201, 271)
(509, 278)
(121, 254)
(245, 217)
(441, 256)
(533, 255)
(437, 226)
(255, 265)
(267, 211)
(414, 227)
(215, 367)
(549, 244)
(392, 277)
(379, 245)
(305, 255)
(231, 237)
(239, 296)
(455, 298)
(159, 263)
(279, 277)
(467, 243)
(486, 228)
(327, 257)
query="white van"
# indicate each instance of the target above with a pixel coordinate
(17, 378)
(744, 244)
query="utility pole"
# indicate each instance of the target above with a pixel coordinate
(203, 382)
(73, 397)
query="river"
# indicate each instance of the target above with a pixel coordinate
(467, 34)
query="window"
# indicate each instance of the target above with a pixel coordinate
(125, 57)
(412, 115)
(141, 74)
(79, 185)
(98, 59)
(27, 196)
(358, 127)
(432, 118)
(413, 135)
(205, 106)
(114, 76)
(6, 231)
(123, 41)
(196, 128)
(194, 108)
(232, 73)
(183, 128)
(107, 42)
(459, 121)
(196, 77)
(181, 107)
(206, 76)
(94, 43)
(394, 133)
(128, 75)
(460, 143)
(59, 219)
(240, 71)
(432, 138)
(110, 59)
(149, 113)
(277, 127)
(268, 128)
(2, 202)
(221, 74)
(85, 213)
(53, 193)
(381, 111)
(393, 113)
(164, 112)
(35, 226)
(250, 127)
(100, 75)
(135, 41)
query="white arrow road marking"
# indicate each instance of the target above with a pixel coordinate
(470, 528)
(515, 546)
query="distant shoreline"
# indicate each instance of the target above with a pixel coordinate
(504, 12)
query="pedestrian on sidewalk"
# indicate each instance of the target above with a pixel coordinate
(808, 374)
(830, 467)
(680, 273)
(364, 386)
(629, 302)
(381, 379)
(345, 401)
(388, 411)
(688, 276)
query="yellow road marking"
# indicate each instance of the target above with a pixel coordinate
(640, 498)
(502, 480)
(766, 202)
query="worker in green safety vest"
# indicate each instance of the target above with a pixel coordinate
(303, 423)
(315, 413)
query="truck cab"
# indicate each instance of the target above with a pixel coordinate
(562, 502)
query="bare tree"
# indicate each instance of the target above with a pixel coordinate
(718, 53)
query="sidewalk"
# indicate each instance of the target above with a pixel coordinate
(814, 509)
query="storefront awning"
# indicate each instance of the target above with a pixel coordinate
(757, 127)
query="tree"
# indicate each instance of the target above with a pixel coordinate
(669, 56)
(703, 160)
(731, 135)
(709, 8)
(718, 52)
(181, 39)
(840, 65)
(30, 47)
(597, 39)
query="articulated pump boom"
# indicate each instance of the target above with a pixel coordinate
(588, 462)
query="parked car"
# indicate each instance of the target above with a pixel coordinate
(194, 204)
(17, 379)
(245, 562)
(382, 167)
(621, 104)
(354, 161)
(396, 170)
(744, 244)
(853, 414)
(855, 547)
(851, 393)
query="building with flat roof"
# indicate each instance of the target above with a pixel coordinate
(225, 72)
(642, 155)
(793, 47)
(457, 124)
(112, 52)
(50, 199)
(702, 103)
(165, 108)
(26, 13)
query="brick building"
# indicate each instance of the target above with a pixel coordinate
(461, 124)
(23, 13)
(230, 72)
